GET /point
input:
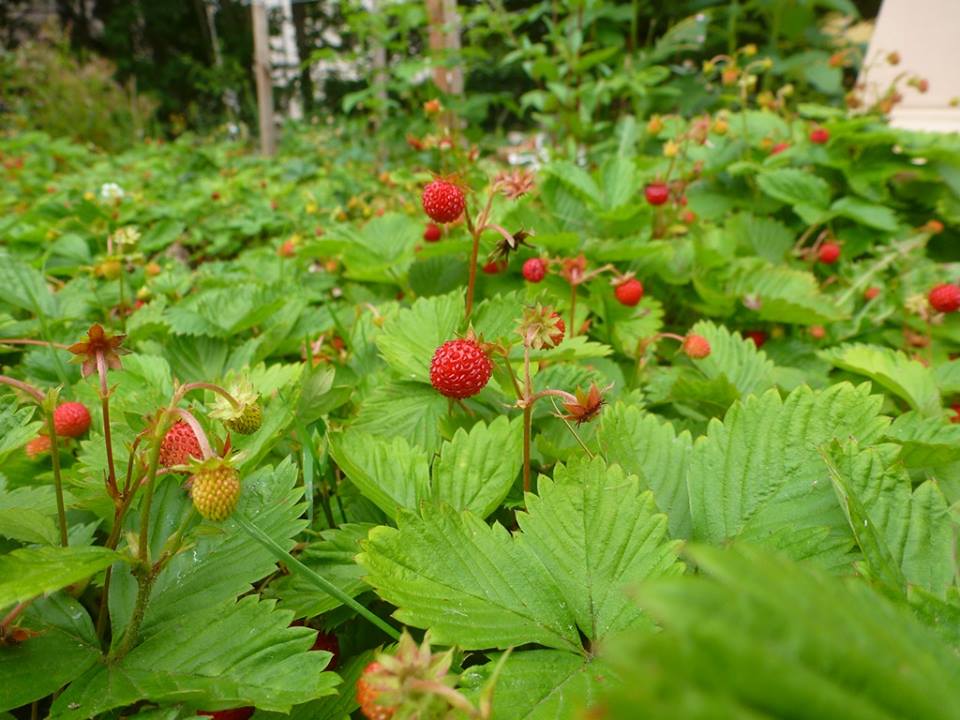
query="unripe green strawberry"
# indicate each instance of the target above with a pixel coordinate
(244, 417)
(249, 421)
(215, 489)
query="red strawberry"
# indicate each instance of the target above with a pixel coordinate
(955, 418)
(328, 642)
(818, 332)
(871, 292)
(443, 201)
(534, 270)
(460, 368)
(945, 298)
(38, 446)
(432, 232)
(696, 347)
(367, 696)
(629, 292)
(179, 445)
(288, 249)
(656, 193)
(240, 713)
(688, 217)
(819, 136)
(828, 253)
(214, 195)
(495, 267)
(759, 337)
(779, 148)
(71, 419)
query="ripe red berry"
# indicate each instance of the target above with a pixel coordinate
(656, 193)
(629, 292)
(828, 253)
(945, 298)
(240, 713)
(759, 337)
(818, 332)
(432, 232)
(688, 217)
(215, 195)
(71, 419)
(495, 267)
(179, 445)
(367, 696)
(288, 249)
(38, 446)
(871, 292)
(328, 642)
(779, 148)
(460, 368)
(819, 136)
(443, 201)
(696, 347)
(534, 270)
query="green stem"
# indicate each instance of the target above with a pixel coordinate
(154, 460)
(57, 479)
(145, 580)
(572, 330)
(107, 436)
(298, 567)
(527, 427)
(474, 252)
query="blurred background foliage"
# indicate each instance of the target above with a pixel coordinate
(113, 71)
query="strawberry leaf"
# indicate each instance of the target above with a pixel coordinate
(760, 472)
(65, 646)
(200, 657)
(906, 378)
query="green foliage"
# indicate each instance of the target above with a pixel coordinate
(805, 645)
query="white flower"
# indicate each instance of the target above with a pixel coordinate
(111, 191)
(126, 236)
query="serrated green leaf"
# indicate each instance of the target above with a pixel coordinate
(471, 584)
(476, 470)
(893, 370)
(390, 473)
(539, 684)
(411, 411)
(65, 646)
(200, 657)
(878, 217)
(735, 359)
(795, 187)
(759, 471)
(598, 533)
(28, 572)
(644, 445)
(333, 558)
(925, 441)
(909, 530)
(805, 646)
(409, 339)
(784, 294)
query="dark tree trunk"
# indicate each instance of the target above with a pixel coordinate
(303, 51)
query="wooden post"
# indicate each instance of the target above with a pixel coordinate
(445, 36)
(261, 71)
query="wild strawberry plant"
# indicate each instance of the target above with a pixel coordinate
(272, 444)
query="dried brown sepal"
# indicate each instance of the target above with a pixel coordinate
(587, 406)
(98, 342)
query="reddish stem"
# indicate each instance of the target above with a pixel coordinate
(107, 436)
